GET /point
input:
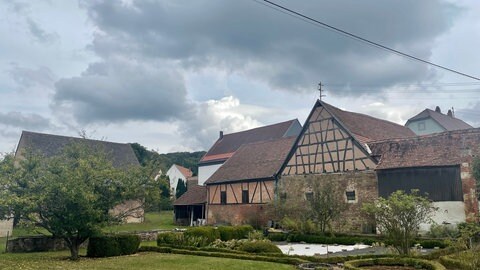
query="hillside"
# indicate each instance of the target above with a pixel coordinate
(164, 161)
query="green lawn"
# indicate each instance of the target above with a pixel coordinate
(144, 261)
(153, 221)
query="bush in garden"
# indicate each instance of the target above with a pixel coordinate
(234, 232)
(115, 245)
(210, 234)
(262, 246)
(169, 238)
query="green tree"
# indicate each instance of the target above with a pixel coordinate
(181, 188)
(399, 217)
(71, 194)
(326, 204)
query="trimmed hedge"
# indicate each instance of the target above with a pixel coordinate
(169, 238)
(417, 263)
(112, 245)
(277, 237)
(260, 247)
(234, 232)
(322, 239)
(210, 234)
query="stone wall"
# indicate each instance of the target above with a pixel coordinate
(37, 244)
(6, 227)
(351, 219)
(238, 214)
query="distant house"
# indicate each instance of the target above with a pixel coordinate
(190, 207)
(121, 155)
(175, 173)
(227, 144)
(429, 121)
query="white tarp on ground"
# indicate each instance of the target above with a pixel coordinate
(316, 249)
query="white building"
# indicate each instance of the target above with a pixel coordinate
(175, 173)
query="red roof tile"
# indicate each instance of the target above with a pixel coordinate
(186, 172)
(194, 195)
(226, 146)
(254, 161)
(439, 149)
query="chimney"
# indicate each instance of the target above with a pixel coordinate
(437, 109)
(221, 134)
(449, 113)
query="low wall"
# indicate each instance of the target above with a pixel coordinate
(37, 244)
(6, 227)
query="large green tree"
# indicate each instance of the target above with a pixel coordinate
(180, 189)
(399, 217)
(70, 194)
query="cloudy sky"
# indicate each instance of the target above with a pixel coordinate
(170, 74)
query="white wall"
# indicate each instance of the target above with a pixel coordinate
(204, 172)
(450, 212)
(431, 126)
(174, 174)
(6, 226)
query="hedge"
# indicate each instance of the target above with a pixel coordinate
(234, 232)
(210, 234)
(260, 247)
(112, 245)
(322, 239)
(429, 265)
(277, 237)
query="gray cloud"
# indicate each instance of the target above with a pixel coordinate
(470, 114)
(245, 37)
(29, 121)
(29, 77)
(123, 89)
(39, 34)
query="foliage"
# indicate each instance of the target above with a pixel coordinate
(469, 236)
(468, 260)
(261, 246)
(209, 233)
(310, 214)
(399, 217)
(234, 232)
(324, 239)
(416, 263)
(70, 194)
(165, 161)
(112, 245)
(277, 237)
(476, 173)
(443, 231)
(181, 188)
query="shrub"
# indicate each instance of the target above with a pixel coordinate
(443, 231)
(234, 232)
(322, 239)
(169, 238)
(112, 245)
(416, 263)
(210, 234)
(431, 243)
(259, 247)
(278, 237)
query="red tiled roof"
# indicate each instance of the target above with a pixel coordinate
(226, 146)
(186, 172)
(447, 122)
(194, 195)
(439, 149)
(254, 161)
(367, 128)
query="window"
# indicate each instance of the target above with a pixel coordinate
(245, 196)
(350, 196)
(309, 196)
(223, 197)
(421, 125)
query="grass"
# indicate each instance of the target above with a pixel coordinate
(144, 261)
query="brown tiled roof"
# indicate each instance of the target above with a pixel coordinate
(439, 149)
(254, 161)
(194, 195)
(226, 146)
(186, 172)
(49, 145)
(447, 122)
(367, 128)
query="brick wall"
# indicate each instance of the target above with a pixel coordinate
(238, 214)
(351, 219)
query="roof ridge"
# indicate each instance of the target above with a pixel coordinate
(438, 134)
(267, 126)
(71, 137)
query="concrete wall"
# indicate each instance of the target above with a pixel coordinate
(447, 213)
(132, 211)
(351, 219)
(204, 172)
(6, 227)
(431, 126)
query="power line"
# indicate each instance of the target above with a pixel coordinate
(315, 22)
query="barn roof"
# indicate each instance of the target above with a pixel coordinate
(194, 195)
(439, 149)
(258, 160)
(366, 128)
(445, 121)
(50, 145)
(226, 146)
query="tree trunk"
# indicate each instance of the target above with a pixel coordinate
(73, 244)
(74, 252)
